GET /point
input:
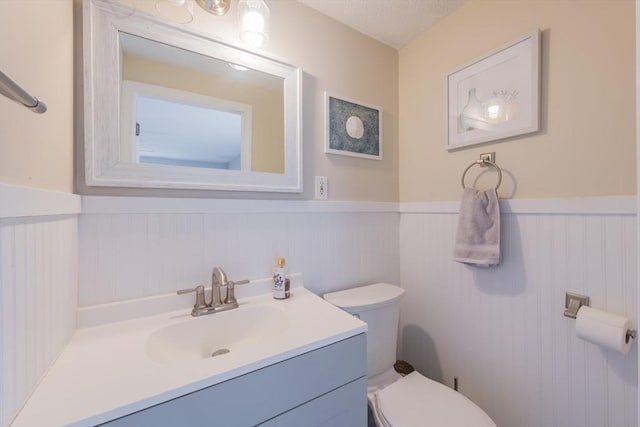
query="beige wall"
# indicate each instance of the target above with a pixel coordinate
(587, 143)
(36, 51)
(345, 63)
(586, 146)
(334, 58)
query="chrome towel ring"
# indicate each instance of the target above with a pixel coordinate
(481, 163)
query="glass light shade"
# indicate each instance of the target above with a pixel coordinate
(180, 11)
(216, 7)
(253, 20)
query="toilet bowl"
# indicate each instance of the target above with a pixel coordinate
(416, 401)
(397, 401)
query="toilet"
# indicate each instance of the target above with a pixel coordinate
(394, 400)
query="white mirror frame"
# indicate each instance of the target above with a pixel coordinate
(102, 23)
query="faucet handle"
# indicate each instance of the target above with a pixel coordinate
(199, 290)
(231, 297)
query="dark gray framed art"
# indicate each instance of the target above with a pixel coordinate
(352, 128)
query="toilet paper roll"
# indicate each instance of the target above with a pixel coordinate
(604, 329)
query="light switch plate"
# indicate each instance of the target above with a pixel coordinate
(322, 189)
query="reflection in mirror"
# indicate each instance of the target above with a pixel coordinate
(170, 107)
(170, 116)
(168, 132)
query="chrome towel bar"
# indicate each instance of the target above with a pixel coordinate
(13, 91)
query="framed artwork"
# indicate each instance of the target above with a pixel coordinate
(496, 96)
(352, 128)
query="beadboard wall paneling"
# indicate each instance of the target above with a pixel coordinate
(502, 332)
(38, 299)
(127, 255)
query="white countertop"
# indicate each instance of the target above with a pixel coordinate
(105, 373)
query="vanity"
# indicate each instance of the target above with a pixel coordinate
(320, 387)
(297, 362)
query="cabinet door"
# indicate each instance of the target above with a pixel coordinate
(343, 407)
(261, 395)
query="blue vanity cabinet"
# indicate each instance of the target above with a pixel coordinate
(323, 387)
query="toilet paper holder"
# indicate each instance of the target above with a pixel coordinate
(573, 302)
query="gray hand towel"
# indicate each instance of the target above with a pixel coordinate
(478, 236)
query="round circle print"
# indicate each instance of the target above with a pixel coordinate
(355, 127)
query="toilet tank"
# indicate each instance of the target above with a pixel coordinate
(377, 305)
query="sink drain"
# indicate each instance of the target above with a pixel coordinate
(219, 352)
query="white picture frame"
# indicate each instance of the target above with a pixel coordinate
(496, 96)
(352, 128)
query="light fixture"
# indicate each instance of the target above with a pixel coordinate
(253, 16)
(253, 19)
(216, 7)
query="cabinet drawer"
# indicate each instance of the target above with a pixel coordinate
(344, 407)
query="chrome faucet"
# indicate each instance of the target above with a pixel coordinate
(218, 280)
(216, 303)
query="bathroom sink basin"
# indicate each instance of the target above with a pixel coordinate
(216, 335)
(168, 355)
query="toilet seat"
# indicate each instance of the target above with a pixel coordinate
(416, 401)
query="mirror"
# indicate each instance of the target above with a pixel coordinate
(167, 107)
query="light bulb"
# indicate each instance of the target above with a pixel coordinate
(253, 21)
(253, 17)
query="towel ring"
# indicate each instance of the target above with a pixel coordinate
(483, 162)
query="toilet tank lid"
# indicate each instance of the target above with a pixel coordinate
(365, 297)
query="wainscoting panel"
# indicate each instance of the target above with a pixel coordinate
(38, 299)
(133, 255)
(501, 331)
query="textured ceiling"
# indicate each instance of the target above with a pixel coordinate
(393, 22)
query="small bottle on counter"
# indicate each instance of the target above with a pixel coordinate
(279, 278)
